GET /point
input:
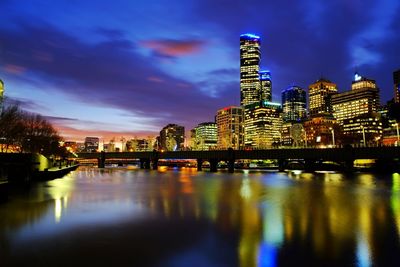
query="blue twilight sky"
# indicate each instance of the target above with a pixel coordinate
(128, 68)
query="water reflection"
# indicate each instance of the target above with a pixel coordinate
(255, 218)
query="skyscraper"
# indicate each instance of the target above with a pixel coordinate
(92, 144)
(396, 80)
(262, 126)
(205, 136)
(230, 127)
(265, 86)
(357, 110)
(249, 68)
(320, 97)
(294, 103)
(172, 137)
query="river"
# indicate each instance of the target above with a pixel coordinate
(181, 217)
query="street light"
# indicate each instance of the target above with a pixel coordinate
(333, 136)
(363, 132)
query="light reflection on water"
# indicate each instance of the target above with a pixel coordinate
(218, 219)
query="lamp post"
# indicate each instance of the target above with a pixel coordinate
(333, 136)
(363, 132)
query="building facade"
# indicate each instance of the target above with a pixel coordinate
(396, 81)
(92, 144)
(230, 128)
(357, 111)
(172, 137)
(320, 131)
(262, 125)
(205, 136)
(294, 104)
(250, 56)
(320, 97)
(265, 86)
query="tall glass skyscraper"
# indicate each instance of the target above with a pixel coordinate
(266, 85)
(294, 103)
(249, 68)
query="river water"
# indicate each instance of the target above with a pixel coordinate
(181, 217)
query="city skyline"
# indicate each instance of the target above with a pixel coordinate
(125, 74)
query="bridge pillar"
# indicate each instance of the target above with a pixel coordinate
(154, 163)
(281, 165)
(309, 165)
(213, 165)
(101, 162)
(144, 163)
(349, 165)
(199, 165)
(231, 166)
(231, 160)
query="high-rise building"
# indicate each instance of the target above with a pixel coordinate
(172, 137)
(249, 68)
(205, 136)
(230, 128)
(320, 97)
(265, 85)
(262, 126)
(396, 80)
(294, 103)
(318, 130)
(363, 98)
(1, 94)
(357, 110)
(92, 144)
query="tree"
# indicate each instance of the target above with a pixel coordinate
(27, 132)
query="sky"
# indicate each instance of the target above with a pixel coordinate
(128, 68)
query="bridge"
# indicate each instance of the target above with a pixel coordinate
(310, 156)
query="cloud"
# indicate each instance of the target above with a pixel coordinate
(173, 48)
(109, 73)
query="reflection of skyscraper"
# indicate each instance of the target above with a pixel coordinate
(294, 104)
(230, 127)
(396, 80)
(172, 137)
(1, 94)
(320, 94)
(249, 68)
(266, 85)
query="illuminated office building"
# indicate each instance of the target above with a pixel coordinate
(262, 126)
(320, 97)
(318, 130)
(265, 85)
(357, 110)
(363, 98)
(1, 94)
(92, 144)
(294, 104)
(230, 128)
(396, 80)
(172, 137)
(249, 68)
(205, 136)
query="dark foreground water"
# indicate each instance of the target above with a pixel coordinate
(121, 217)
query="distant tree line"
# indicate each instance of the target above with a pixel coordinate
(22, 131)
